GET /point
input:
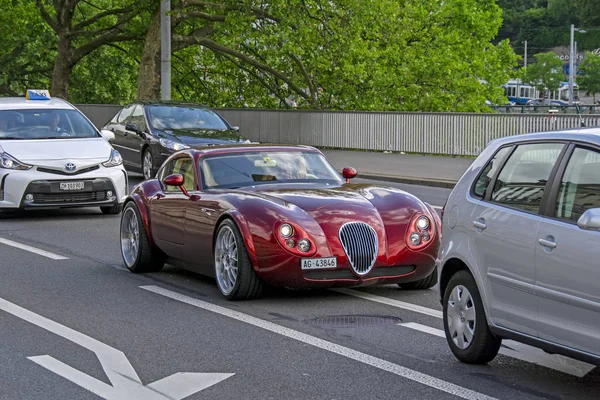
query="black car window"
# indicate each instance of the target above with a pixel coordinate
(184, 117)
(137, 118)
(488, 172)
(125, 114)
(523, 179)
(580, 185)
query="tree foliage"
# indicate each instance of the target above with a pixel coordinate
(546, 73)
(410, 55)
(590, 80)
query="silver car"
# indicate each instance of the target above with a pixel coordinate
(520, 255)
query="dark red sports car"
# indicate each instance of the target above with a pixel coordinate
(281, 215)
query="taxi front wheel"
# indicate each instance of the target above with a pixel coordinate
(116, 209)
(465, 324)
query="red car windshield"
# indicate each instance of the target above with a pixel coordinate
(252, 168)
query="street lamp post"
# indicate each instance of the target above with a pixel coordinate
(572, 56)
(571, 75)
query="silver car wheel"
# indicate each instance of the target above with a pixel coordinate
(130, 237)
(147, 165)
(226, 260)
(461, 317)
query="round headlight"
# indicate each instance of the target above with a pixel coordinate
(423, 223)
(286, 230)
(425, 236)
(415, 239)
(304, 245)
(290, 243)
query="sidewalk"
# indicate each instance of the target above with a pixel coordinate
(404, 168)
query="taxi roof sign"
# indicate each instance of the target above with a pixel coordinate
(37, 94)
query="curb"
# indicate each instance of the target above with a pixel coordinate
(441, 183)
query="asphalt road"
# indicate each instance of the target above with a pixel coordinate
(75, 324)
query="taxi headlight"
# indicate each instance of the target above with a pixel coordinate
(114, 160)
(9, 162)
(171, 145)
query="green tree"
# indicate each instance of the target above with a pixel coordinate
(26, 48)
(590, 79)
(545, 73)
(347, 54)
(82, 27)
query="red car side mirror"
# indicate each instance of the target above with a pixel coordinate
(175, 180)
(349, 173)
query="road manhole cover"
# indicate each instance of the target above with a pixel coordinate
(352, 321)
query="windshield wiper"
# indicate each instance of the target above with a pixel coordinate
(12, 138)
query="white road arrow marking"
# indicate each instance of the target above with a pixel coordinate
(125, 382)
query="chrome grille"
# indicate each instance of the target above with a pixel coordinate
(61, 172)
(360, 244)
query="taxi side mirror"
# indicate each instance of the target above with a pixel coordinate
(107, 135)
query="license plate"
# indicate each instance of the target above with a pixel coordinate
(318, 263)
(71, 185)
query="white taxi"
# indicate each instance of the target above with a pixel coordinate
(52, 156)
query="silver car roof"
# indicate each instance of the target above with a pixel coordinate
(590, 135)
(21, 103)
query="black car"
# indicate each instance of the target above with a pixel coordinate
(146, 133)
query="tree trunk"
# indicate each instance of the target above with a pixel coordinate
(149, 72)
(62, 69)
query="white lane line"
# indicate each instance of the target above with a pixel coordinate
(524, 353)
(437, 207)
(379, 363)
(390, 302)
(32, 249)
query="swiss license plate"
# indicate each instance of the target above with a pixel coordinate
(72, 185)
(318, 263)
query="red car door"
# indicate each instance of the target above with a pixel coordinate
(168, 211)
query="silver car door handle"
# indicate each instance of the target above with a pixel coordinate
(479, 225)
(547, 243)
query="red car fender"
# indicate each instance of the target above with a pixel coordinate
(242, 225)
(139, 202)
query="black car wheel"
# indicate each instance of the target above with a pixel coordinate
(148, 165)
(425, 283)
(465, 323)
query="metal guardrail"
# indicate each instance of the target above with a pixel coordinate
(428, 133)
(545, 109)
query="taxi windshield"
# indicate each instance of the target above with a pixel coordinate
(45, 124)
(257, 168)
(184, 117)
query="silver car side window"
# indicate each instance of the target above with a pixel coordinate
(580, 185)
(523, 180)
(488, 172)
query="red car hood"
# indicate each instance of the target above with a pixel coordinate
(313, 199)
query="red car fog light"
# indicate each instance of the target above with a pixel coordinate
(294, 239)
(420, 232)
